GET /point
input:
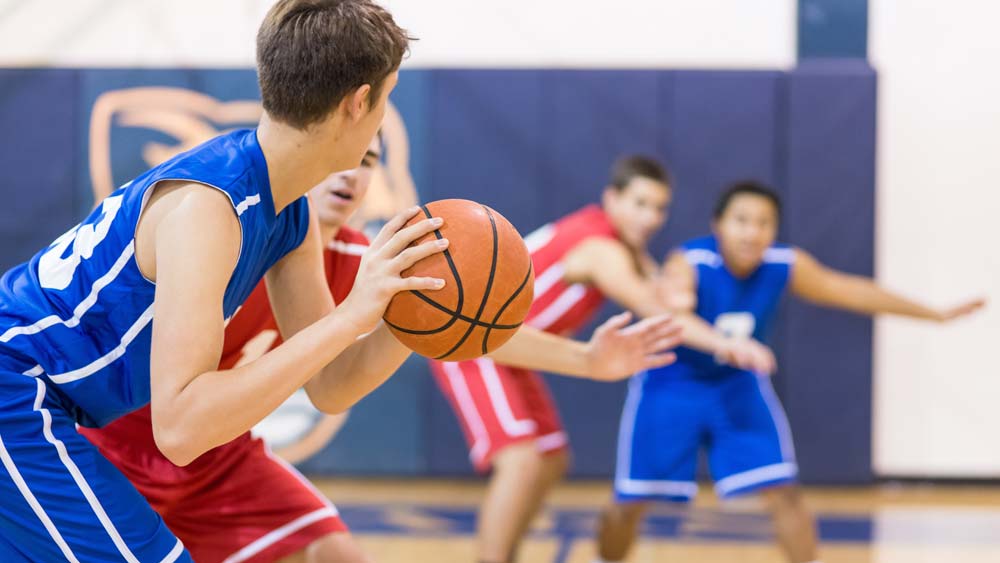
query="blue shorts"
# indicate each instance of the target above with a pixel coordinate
(669, 418)
(63, 501)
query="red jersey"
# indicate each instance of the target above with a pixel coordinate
(251, 332)
(562, 307)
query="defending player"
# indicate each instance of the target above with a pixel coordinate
(728, 286)
(507, 415)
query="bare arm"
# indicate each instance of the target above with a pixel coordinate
(678, 286)
(819, 284)
(196, 239)
(614, 352)
(300, 296)
(608, 265)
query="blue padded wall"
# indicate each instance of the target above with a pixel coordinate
(536, 144)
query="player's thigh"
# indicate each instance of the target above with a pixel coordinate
(62, 499)
(496, 405)
(660, 435)
(259, 508)
(751, 444)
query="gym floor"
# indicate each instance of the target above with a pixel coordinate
(434, 522)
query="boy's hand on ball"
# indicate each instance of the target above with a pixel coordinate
(380, 273)
(618, 350)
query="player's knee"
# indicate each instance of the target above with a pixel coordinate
(338, 547)
(557, 462)
(783, 497)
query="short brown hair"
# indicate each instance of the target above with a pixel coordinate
(312, 53)
(627, 168)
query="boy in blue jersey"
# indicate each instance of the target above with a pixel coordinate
(727, 287)
(129, 306)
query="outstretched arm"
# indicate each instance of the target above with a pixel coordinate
(825, 286)
(615, 351)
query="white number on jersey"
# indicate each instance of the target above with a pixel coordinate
(56, 272)
(736, 325)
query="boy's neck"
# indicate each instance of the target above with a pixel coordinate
(297, 160)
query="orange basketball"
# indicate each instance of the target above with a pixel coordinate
(489, 285)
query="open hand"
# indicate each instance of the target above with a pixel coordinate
(618, 350)
(962, 310)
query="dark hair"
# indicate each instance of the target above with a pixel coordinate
(628, 168)
(747, 187)
(312, 53)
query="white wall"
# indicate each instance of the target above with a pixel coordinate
(476, 33)
(937, 393)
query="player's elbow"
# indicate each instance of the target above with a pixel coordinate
(326, 402)
(331, 407)
(174, 444)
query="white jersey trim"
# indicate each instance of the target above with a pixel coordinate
(740, 481)
(82, 308)
(274, 536)
(779, 256)
(703, 257)
(540, 237)
(348, 248)
(467, 406)
(498, 398)
(114, 354)
(36, 506)
(247, 203)
(548, 278)
(174, 554)
(78, 477)
(566, 300)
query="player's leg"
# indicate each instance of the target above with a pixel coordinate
(658, 443)
(337, 547)
(618, 529)
(255, 507)
(752, 452)
(62, 500)
(794, 525)
(511, 425)
(521, 478)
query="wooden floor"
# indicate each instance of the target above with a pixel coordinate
(434, 522)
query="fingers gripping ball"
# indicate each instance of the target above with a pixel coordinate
(489, 285)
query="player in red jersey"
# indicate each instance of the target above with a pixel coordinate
(240, 502)
(507, 414)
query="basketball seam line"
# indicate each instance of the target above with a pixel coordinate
(454, 314)
(458, 282)
(486, 293)
(513, 296)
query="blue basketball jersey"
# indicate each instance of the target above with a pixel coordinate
(79, 313)
(739, 307)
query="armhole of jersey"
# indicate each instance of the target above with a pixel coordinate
(148, 193)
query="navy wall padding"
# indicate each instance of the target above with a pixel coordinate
(536, 144)
(485, 141)
(40, 156)
(828, 355)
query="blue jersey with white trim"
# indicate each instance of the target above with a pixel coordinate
(738, 307)
(79, 313)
